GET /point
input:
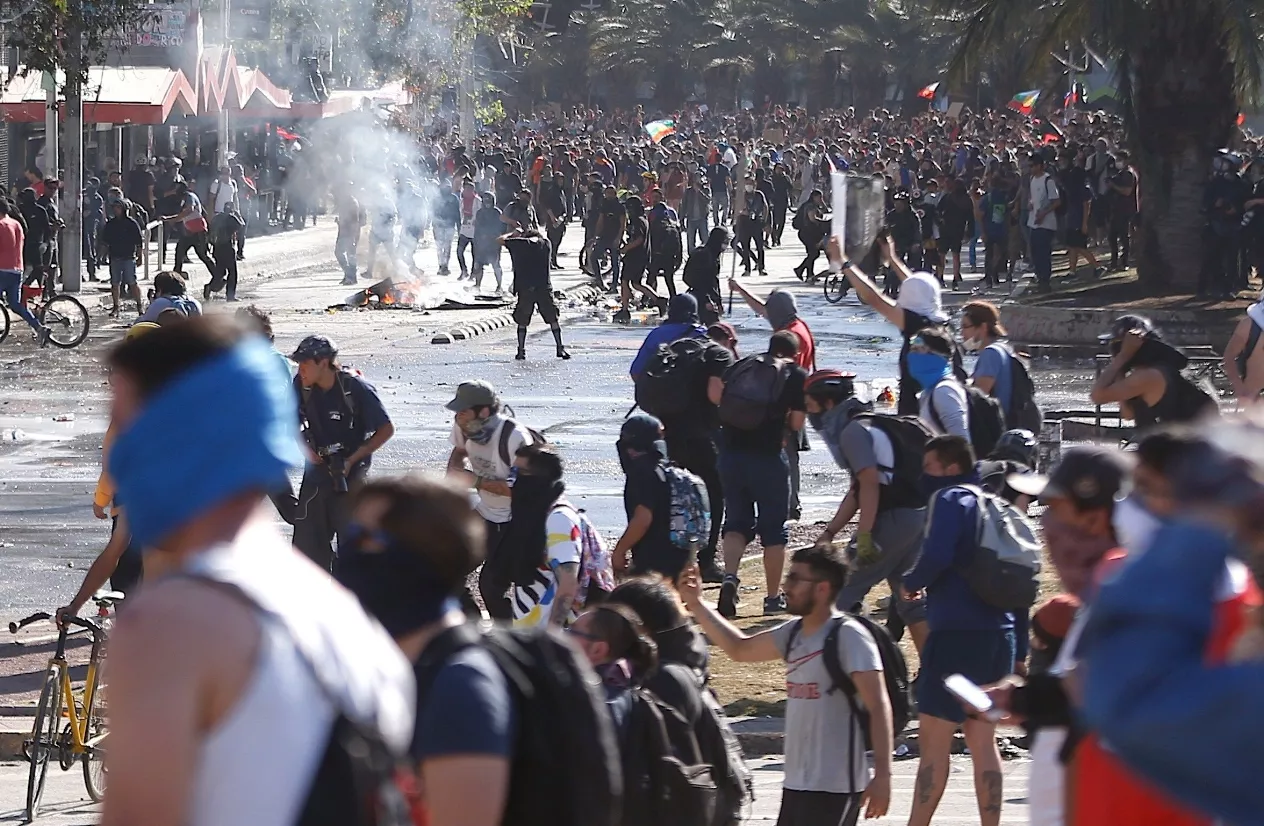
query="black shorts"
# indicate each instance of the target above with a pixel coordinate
(633, 271)
(1076, 239)
(531, 299)
(818, 808)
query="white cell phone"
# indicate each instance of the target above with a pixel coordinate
(972, 697)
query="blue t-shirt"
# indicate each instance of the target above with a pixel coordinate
(994, 363)
(336, 421)
(468, 710)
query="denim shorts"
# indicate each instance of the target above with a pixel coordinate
(122, 272)
(981, 656)
(756, 495)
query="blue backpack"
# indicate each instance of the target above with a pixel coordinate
(690, 526)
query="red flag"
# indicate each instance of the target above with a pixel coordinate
(928, 93)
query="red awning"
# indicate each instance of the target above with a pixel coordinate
(114, 94)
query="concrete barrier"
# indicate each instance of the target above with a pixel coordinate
(1046, 324)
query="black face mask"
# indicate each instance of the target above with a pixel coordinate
(931, 485)
(396, 585)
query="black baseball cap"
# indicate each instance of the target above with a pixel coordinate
(314, 348)
(1091, 477)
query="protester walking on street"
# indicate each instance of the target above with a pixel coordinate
(783, 314)
(344, 424)
(828, 777)
(123, 241)
(967, 635)
(762, 400)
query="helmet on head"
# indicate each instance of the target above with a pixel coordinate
(1016, 446)
(830, 385)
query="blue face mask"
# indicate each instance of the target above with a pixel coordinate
(927, 368)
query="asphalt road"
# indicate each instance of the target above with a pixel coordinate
(55, 401)
(66, 802)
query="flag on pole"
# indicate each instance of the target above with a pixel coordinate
(659, 129)
(1025, 102)
(1049, 132)
(928, 93)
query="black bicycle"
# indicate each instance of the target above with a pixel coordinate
(63, 315)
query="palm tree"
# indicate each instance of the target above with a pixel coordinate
(895, 41)
(1184, 69)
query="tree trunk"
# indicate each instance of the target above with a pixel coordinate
(1169, 248)
(1185, 107)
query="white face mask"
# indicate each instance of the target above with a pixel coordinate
(971, 345)
(1135, 525)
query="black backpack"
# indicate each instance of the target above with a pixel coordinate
(908, 436)
(1191, 400)
(1025, 413)
(800, 219)
(669, 384)
(565, 769)
(668, 782)
(984, 416)
(505, 432)
(735, 789)
(752, 392)
(895, 674)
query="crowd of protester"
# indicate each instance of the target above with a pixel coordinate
(358, 650)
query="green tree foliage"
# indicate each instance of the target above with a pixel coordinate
(38, 31)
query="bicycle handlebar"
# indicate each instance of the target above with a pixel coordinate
(14, 627)
(78, 622)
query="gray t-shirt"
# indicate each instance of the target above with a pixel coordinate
(819, 728)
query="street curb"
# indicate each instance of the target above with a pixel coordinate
(502, 319)
(11, 743)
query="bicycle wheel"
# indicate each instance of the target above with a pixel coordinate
(94, 774)
(44, 740)
(835, 287)
(4, 321)
(67, 321)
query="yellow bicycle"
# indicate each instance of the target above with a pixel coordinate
(82, 737)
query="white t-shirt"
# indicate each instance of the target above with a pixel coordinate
(882, 451)
(223, 194)
(533, 603)
(486, 461)
(951, 416)
(1044, 191)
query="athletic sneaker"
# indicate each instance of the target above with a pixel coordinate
(775, 605)
(726, 606)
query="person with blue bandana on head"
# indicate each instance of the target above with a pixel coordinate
(942, 402)
(238, 645)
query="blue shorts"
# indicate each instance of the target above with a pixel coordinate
(981, 656)
(122, 272)
(756, 495)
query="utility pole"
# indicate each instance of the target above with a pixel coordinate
(72, 190)
(51, 125)
(221, 152)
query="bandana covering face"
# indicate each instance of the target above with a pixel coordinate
(238, 409)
